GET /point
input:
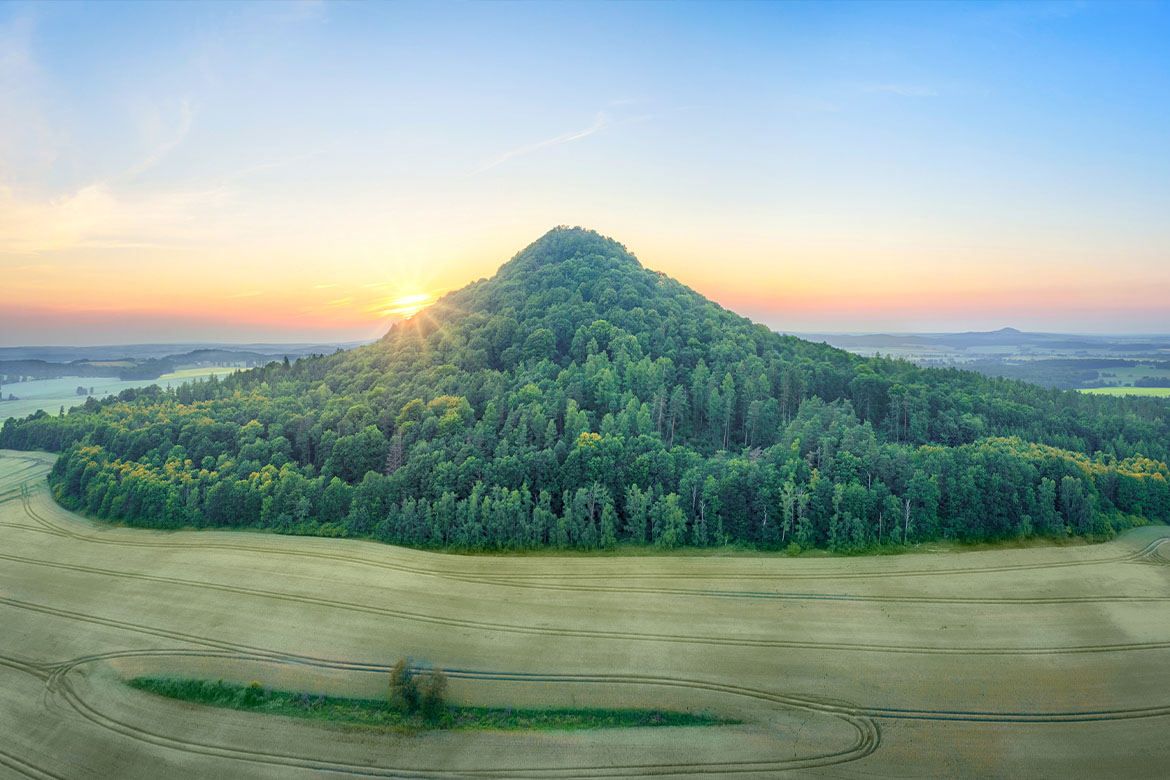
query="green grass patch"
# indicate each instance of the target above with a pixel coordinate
(377, 713)
(1157, 392)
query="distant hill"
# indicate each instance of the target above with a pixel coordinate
(1048, 359)
(1004, 337)
(578, 399)
(141, 352)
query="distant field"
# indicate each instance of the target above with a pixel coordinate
(1160, 392)
(52, 394)
(1130, 374)
(184, 374)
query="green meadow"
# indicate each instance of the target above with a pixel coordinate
(1156, 392)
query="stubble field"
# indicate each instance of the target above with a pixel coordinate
(1050, 662)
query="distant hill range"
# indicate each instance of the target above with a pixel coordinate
(1010, 339)
(147, 361)
(1060, 360)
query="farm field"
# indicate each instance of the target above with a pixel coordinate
(1045, 662)
(1158, 392)
(52, 394)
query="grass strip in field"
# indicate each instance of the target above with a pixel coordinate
(378, 713)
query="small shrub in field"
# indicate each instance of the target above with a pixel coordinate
(404, 695)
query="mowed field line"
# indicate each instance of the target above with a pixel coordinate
(867, 741)
(862, 719)
(13, 481)
(528, 581)
(24, 768)
(576, 633)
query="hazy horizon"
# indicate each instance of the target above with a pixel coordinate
(289, 342)
(314, 171)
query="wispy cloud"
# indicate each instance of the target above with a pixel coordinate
(283, 162)
(903, 90)
(29, 142)
(96, 217)
(601, 122)
(89, 213)
(164, 130)
(302, 11)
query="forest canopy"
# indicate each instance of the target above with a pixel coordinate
(579, 400)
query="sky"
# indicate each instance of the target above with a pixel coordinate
(313, 171)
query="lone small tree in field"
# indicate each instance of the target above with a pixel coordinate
(434, 695)
(403, 688)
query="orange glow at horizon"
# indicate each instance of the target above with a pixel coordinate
(301, 293)
(829, 293)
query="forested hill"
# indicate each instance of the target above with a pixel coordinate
(577, 399)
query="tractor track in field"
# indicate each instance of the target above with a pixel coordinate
(572, 633)
(9, 495)
(1148, 554)
(60, 685)
(26, 769)
(983, 716)
(862, 719)
(14, 481)
(122, 625)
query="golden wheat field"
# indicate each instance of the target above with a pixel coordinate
(1049, 662)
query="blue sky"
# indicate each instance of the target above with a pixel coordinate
(267, 171)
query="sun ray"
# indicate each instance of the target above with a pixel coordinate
(402, 305)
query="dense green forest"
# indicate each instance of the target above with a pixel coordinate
(578, 400)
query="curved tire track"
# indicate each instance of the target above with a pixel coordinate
(867, 740)
(515, 628)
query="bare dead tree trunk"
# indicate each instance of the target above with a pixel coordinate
(396, 456)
